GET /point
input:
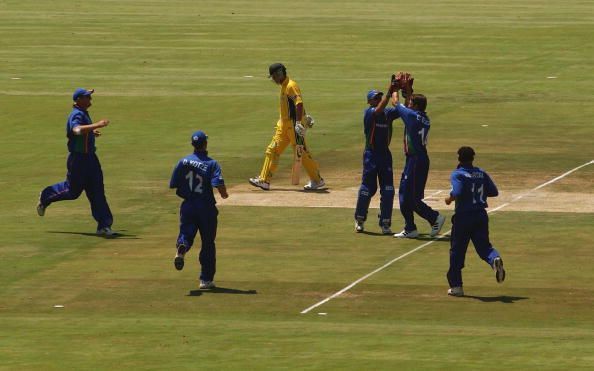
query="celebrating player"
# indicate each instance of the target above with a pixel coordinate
(377, 160)
(84, 170)
(293, 121)
(470, 188)
(416, 168)
(194, 178)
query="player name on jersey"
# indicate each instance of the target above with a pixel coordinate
(196, 164)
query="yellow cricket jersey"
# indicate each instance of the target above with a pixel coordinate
(290, 97)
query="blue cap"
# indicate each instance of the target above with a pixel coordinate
(198, 138)
(80, 92)
(373, 93)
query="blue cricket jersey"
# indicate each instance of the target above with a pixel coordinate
(471, 187)
(378, 128)
(195, 176)
(84, 143)
(416, 130)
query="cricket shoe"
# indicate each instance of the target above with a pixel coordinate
(257, 182)
(40, 209)
(456, 291)
(207, 285)
(436, 227)
(359, 226)
(105, 231)
(499, 271)
(407, 234)
(178, 262)
(313, 185)
(386, 229)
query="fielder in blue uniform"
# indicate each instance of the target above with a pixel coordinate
(470, 188)
(416, 169)
(193, 179)
(84, 170)
(377, 160)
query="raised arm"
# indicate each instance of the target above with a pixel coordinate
(391, 89)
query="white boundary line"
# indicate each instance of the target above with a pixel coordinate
(347, 288)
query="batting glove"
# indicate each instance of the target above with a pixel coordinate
(300, 129)
(309, 121)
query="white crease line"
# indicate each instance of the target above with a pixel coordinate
(432, 194)
(338, 293)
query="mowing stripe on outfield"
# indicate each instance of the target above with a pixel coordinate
(347, 288)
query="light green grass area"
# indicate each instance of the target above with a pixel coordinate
(162, 69)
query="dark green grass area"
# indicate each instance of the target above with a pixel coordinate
(164, 68)
(126, 306)
(512, 79)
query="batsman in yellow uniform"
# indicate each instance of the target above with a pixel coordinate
(290, 129)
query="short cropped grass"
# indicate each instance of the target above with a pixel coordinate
(126, 307)
(512, 79)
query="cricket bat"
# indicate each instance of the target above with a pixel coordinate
(297, 155)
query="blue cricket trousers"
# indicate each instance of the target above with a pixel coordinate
(84, 174)
(412, 191)
(466, 226)
(195, 216)
(377, 166)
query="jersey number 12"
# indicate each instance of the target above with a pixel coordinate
(190, 178)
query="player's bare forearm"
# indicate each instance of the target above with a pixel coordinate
(393, 87)
(384, 102)
(408, 99)
(395, 98)
(223, 191)
(81, 129)
(449, 199)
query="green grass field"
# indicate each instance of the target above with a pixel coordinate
(162, 69)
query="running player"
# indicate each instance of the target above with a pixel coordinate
(292, 120)
(84, 170)
(193, 179)
(470, 188)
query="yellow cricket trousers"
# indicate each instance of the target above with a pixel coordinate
(283, 136)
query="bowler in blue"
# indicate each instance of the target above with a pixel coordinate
(470, 188)
(84, 170)
(416, 168)
(193, 179)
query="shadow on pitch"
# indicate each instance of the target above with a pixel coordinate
(502, 299)
(300, 190)
(117, 235)
(221, 290)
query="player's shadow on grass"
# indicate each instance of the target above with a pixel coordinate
(117, 235)
(376, 234)
(502, 299)
(426, 237)
(422, 237)
(221, 290)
